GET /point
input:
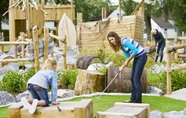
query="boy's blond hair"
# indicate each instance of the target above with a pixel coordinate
(49, 63)
(153, 31)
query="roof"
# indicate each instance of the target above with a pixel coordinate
(162, 22)
(115, 13)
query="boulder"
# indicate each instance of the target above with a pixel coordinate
(6, 98)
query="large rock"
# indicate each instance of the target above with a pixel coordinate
(6, 98)
(24, 94)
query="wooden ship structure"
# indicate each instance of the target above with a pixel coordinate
(24, 15)
(94, 34)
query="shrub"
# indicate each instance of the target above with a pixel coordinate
(178, 78)
(15, 81)
(67, 78)
(12, 82)
(27, 75)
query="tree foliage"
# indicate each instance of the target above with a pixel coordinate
(176, 9)
(4, 4)
(91, 9)
(129, 6)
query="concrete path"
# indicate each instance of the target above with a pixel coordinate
(179, 94)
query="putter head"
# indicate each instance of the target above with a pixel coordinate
(97, 98)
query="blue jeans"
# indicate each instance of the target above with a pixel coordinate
(38, 93)
(159, 51)
(137, 70)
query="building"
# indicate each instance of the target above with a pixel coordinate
(163, 26)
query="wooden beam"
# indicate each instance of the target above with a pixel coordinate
(14, 60)
(137, 7)
(181, 56)
(57, 37)
(174, 48)
(178, 67)
(182, 38)
(14, 43)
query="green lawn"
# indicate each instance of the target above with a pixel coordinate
(161, 103)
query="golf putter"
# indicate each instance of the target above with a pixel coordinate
(107, 86)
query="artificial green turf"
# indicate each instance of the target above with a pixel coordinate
(3, 112)
(161, 103)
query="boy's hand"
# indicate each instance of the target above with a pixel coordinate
(55, 103)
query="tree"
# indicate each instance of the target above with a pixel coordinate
(177, 9)
(4, 5)
(91, 9)
(150, 10)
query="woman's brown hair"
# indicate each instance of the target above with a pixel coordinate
(116, 47)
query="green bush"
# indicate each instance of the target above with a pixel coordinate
(178, 78)
(27, 75)
(105, 55)
(67, 78)
(15, 81)
(12, 82)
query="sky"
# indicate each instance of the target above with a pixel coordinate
(115, 2)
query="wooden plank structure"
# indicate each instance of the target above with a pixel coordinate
(22, 18)
(81, 109)
(93, 34)
(23, 15)
(126, 110)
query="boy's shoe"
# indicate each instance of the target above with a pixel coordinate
(33, 107)
(25, 103)
(128, 101)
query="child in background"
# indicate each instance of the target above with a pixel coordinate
(39, 84)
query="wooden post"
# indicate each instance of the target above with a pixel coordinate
(104, 14)
(183, 36)
(79, 18)
(46, 37)
(36, 48)
(23, 50)
(52, 55)
(168, 73)
(28, 18)
(79, 22)
(64, 54)
(175, 43)
(11, 22)
(72, 10)
(119, 10)
(2, 46)
(14, 110)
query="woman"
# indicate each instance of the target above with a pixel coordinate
(132, 50)
(39, 84)
(159, 43)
